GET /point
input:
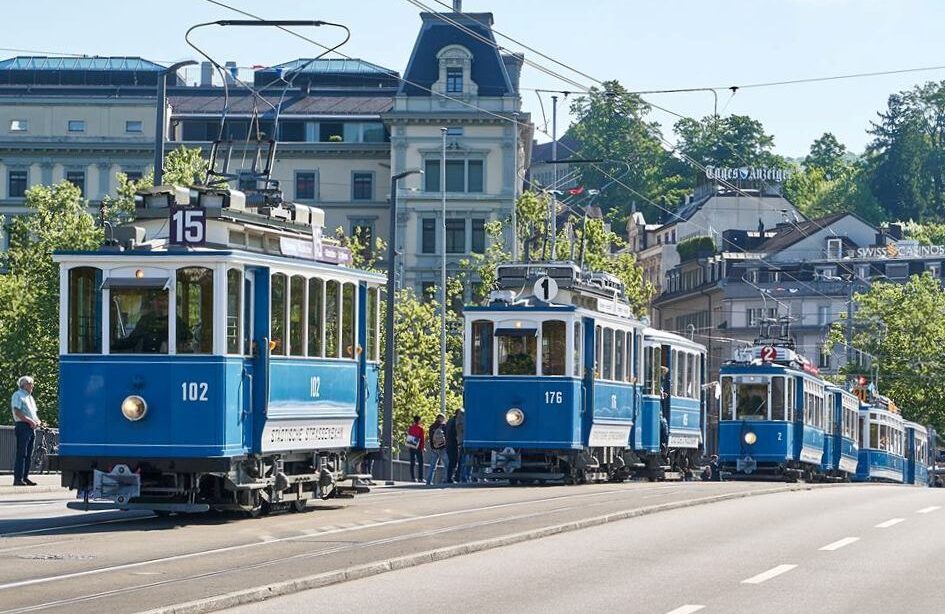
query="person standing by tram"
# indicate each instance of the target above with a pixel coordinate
(26, 421)
(437, 439)
(415, 440)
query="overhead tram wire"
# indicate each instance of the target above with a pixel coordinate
(656, 133)
(511, 120)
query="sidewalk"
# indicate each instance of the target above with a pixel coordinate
(45, 482)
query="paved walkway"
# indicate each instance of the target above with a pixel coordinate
(45, 482)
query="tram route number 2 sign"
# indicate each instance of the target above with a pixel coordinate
(188, 226)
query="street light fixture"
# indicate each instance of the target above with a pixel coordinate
(159, 133)
(389, 325)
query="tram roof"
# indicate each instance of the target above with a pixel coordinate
(673, 338)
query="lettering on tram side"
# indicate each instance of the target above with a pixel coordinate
(194, 391)
(316, 386)
(554, 397)
(302, 435)
(609, 435)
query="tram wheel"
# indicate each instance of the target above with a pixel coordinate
(298, 505)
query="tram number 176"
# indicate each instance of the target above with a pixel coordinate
(554, 397)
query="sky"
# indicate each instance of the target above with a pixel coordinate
(644, 44)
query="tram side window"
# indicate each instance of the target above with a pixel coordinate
(777, 398)
(234, 289)
(656, 362)
(85, 316)
(348, 318)
(297, 316)
(726, 399)
(332, 319)
(874, 435)
(608, 356)
(620, 338)
(373, 307)
(598, 352)
(278, 306)
(629, 366)
(195, 310)
(553, 352)
(517, 354)
(578, 349)
(692, 383)
(676, 372)
(482, 336)
(139, 319)
(316, 317)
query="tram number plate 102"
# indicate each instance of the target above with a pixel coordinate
(194, 391)
(554, 397)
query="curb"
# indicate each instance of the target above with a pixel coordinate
(287, 587)
(27, 490)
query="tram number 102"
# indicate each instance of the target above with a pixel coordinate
(554, 397)
(194, 391)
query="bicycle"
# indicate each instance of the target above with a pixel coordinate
(47, 442)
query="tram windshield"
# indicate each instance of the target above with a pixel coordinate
(139, 321)
(751, 401)
(517, 354)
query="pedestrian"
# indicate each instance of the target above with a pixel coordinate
(452, 450)
(25, 422)
(415, 438)
(437, 441)
(685, 468)
(367, 466)
(463, 463)
(715, 472)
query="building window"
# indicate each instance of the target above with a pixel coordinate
(835, 248)
(823, 272)
(863, 271)
(754, 316)
(478, 236)
(824, 359)
(428, 236)
(454, 80)
(77, 178)
(306, 185)
(331, 132)
(427, 290)
(935, 268)
(897, 271)
(455, 236)
(461, 176)
(76, 125)
(134, 126)
(362, 186)
(133, 175)
(454, 131)
(19, 125)
(823, 314)
(16, 183)
(363, 228)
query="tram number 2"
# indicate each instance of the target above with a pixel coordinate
(194, 391)
(554, 397)
(315, 386)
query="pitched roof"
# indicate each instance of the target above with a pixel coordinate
(567, 145)
(798, 231)
(488, 69)
(211, 103)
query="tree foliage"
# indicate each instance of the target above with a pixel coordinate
(732, 141)
(903, 327)
(29, 292)
(183, 166)
(827, 154)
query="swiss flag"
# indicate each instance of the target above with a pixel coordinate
(576, 191)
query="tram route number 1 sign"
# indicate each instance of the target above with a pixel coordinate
(546, 289)
(188, 226)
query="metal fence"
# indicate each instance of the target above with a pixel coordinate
(8, 448)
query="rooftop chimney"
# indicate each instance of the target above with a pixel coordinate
(230, 72)
(206, 74)
(457, 6)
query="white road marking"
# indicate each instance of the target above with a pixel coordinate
(840, 543)
(931, 508)
(767, 575)
(889, 523)
(686, 609)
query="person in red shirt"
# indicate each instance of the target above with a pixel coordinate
(415, 440)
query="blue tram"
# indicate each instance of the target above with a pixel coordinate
(882, 455)
(917, 454)
(774, 413)
(562, 383)
(842, 442)
(216, 357)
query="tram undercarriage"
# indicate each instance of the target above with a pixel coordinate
(255, 485)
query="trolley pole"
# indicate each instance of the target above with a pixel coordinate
(554, 156)
(389, 326)
(443, 276)
(159, 125)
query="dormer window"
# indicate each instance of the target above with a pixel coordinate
(835, 248)
(454, 80)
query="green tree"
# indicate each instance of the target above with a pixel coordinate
(731, 141)
(612, 124)
(828, 155)
(183, 166)
(29, 292)
(926, 234)
(816, 194)
(903, 327)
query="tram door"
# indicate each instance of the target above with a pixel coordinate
(250, 382)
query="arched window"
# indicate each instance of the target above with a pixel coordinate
(297, 316)
(195, 310)
(372, 342)
(554, 337)
(316, 316)
(85, 311)
(620, 353)
(578, 347)
(278, 304)
(234, 290)
(348, 318)
(607, 364)
(332, 319)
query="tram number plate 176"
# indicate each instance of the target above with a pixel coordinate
(188, 226)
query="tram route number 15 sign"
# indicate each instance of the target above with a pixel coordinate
(188, 226)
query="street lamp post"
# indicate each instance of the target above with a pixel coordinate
(159, 134)
(389, 325)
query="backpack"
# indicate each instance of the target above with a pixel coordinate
(438, 440)
(413, 442)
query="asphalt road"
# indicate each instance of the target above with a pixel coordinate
(57, 560)
(858, 549)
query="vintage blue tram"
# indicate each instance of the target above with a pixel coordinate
(216, 356)
(775, 412)
(562, 383)
(917, 454)
(882, 455)
(841, 445)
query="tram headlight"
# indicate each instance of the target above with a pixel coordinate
(134, 408)
(750, 438)
(515, 417)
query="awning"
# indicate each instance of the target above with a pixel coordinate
(134, 282)
(516, 332)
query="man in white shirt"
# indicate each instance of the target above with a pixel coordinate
(25, 422)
